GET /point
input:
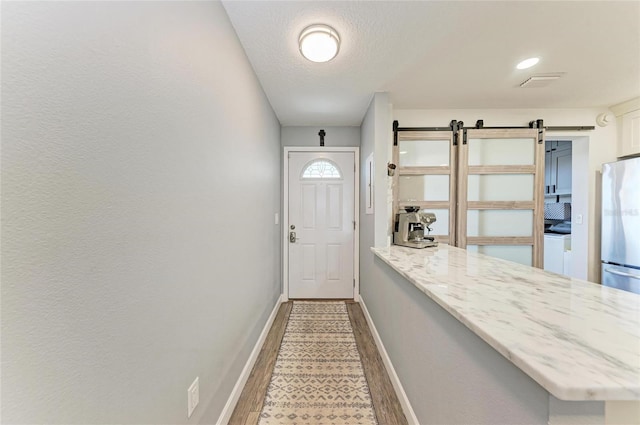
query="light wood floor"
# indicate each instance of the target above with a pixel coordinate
(385, 402)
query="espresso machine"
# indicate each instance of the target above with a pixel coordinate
(410, 227)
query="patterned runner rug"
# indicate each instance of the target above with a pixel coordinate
(318, 377)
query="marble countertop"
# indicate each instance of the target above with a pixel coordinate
(577, 339)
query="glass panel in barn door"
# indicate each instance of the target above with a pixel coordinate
(423, 153)
(500, 187)
(501, 151)
(499, 223)
(517, 253)
(441, 226)
(423, 188)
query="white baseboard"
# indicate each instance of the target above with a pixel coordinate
(227, 411)
(395, 381)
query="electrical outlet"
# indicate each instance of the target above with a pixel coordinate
(193, 396)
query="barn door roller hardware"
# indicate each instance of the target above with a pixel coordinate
(396, 128)
(395, 133)
(539, 125)
(532, 124)
(570, 128)
(456, 126)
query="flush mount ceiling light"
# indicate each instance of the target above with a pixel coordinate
(527, 63)
(319, 43)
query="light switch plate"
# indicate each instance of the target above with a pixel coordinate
(578, 218)
(193, 397)
(277, 218)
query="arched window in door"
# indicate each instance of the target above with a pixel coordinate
(321, 169)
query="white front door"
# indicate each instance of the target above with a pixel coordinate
(321, 224)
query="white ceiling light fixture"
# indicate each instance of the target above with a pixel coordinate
(319, 43)
(527, 63)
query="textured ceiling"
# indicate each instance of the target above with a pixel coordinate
(441, 54)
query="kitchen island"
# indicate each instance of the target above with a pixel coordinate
(500, 342)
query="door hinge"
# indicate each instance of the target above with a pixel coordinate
(354, 167)
(354, 282)
(354, 225)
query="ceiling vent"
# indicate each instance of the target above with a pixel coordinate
(537, 81)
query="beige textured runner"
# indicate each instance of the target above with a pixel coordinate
(318, 377)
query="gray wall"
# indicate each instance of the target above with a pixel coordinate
(308, 136)
(449, 374)
(375, 138)
(137, 148)
(367, 221)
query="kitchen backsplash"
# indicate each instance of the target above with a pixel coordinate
(557, 211)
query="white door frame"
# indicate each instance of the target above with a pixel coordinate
(285, 214)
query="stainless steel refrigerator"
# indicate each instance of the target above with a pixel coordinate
(621, 225)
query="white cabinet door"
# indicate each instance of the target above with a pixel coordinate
(630, 143)
(554, 249)
(562, 167)
(557, 167)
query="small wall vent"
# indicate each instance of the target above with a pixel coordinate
(537, 81)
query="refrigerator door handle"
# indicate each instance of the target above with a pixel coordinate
(632, 276)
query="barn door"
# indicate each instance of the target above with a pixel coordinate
(426, 177)
(500, 196)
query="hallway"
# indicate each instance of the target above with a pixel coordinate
(318, 365)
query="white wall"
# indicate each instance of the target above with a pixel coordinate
(139, 157)
(308, 136)
(601, 149)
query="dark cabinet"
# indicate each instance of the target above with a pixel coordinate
(557, 168)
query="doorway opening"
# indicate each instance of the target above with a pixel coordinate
(566, 248)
